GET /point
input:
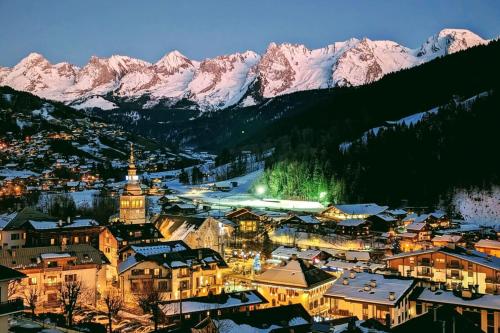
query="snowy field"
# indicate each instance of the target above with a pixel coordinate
(240, 196)
(479, 207)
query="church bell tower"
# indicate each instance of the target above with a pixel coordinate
(132, 201)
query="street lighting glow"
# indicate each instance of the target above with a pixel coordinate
(260, 189)
(322, 195)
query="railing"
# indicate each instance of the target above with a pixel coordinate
(51, 304)
(492, 280)
(454, 277)
(339, 312)
(454, 266)
(180, 275)
(148, 276)
(426, 274)
(52, 286)
(424, 263)
(11, 306)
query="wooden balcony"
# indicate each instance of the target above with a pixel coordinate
(11, 306)
(52, 286)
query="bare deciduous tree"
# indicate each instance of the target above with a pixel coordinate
(114, 303)
(30, 295)
(148, 300)
(70, 293)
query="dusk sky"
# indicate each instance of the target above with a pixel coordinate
(75, 30)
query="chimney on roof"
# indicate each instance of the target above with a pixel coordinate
(450, 245)
(392, 295)
(352, 274)
(373, 283)
(294, 257)
(60, 223)
(345, 282)
(68, 220)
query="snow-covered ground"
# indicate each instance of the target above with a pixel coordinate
(82, 199)
(479, 207)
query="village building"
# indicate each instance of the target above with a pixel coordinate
(295, 282)
(482, 310)
(451, 267)
(306, 223)
(197, 232)
(313, 256)
(115, 237)
(8, 306)
(284, 319)
(447, 240)
(176, 275)
(353, 211)
(78, 231)
(12, 231)
(488, 246)
(193, 310)
(353, 227)
(383, 222)
(365, 295)
(49, 268)
(422, 229)
(248, 222)
(132, 201)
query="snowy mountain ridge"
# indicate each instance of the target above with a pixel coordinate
(224, 81)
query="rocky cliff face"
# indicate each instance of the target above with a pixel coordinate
(223, 81)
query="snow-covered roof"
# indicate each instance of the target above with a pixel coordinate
(54, 255)
(351, 222)
(216, 302)
(446, 238)
(416, 226)
(493, 244)
(361, 209)
(355, 289)
(79, 223)
(128, 263)
(147, 250)
(448, 297)
(357, 255)
(295, 273)
(284, 252)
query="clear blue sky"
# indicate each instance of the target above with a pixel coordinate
(68, 30)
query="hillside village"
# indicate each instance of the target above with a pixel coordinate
(171, 259)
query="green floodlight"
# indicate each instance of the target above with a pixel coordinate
(322, 195)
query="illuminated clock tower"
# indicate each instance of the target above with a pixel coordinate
(132, 201)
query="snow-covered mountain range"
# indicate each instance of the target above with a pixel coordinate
(224, 81)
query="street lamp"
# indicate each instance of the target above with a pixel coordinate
(260, 189)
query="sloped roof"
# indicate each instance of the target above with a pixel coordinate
(7, 274)
(488, 243)
(186, 258)
(296, 273)
(361, 209)
(355, 289)
(352, 222)
(26, 214)
(127, 231)
(29, 257)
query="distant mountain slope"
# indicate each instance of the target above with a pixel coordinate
(225, 81)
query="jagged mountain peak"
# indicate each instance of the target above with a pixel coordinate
(222, 81)
(448, 41)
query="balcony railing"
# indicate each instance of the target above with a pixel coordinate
(149, 276)
(454, 266)
(52, 286)
(11, 306)
(454, 277)
(492, 280)
(426, 274)
(340, 312)
(425, 263)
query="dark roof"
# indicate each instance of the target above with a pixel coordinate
(313, 274)
(425, 323)
(7, 274)
(127, 232)
(188, 258)
(265, 318)
(178, 220)
(29, 257)
(26, 214)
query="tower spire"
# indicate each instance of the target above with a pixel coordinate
(131, 160)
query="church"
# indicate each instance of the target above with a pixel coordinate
(132, 200)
